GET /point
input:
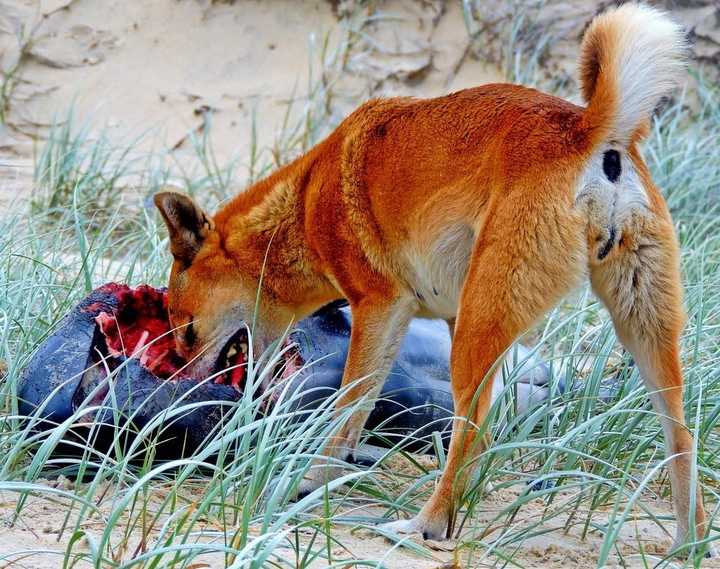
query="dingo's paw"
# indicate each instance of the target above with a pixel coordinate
(429, 529)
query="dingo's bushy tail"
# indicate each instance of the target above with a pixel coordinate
(630, 57)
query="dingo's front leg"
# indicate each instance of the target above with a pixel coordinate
(378, 327)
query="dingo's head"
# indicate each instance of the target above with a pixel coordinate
(212, 298)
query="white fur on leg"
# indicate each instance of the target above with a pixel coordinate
(428, 529)
(316, 477)
(403, 527)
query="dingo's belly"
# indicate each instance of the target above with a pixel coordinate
(436, 270)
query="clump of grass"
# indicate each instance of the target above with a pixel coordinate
(68, 163)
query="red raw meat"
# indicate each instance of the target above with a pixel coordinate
(140, 328)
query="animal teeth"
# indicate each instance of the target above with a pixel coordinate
(232, 352)
(244, 348)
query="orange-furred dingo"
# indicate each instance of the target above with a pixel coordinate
(483, 207)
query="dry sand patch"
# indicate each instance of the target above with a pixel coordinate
(41, 523)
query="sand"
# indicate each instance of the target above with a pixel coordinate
(164, 68)
(42, 521)
(161, 71)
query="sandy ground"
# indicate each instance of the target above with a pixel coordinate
(163, 68)
(41, 523)
(160, 71)
(141, 72)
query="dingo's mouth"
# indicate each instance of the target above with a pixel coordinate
(233, 361)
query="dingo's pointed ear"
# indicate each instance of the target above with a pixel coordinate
(187, 224)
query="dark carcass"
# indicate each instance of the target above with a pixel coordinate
(70, 371)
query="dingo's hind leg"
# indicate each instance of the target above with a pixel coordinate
(515, 276)
(640, 285)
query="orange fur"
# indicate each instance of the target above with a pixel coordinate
(483, 207)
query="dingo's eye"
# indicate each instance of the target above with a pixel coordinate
(190, 335)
